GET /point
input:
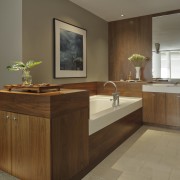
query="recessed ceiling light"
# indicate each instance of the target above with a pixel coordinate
(122, 15)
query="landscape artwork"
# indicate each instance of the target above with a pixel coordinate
(69, 50)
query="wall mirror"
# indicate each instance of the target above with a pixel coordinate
(166, 36)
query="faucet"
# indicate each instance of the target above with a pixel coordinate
(115, 94)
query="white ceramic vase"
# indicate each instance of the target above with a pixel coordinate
(138, 74)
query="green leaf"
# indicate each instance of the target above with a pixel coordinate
(32, 63)
(19, 65)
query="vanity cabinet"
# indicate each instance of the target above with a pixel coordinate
(161, 108)
(44, 136)
(154, 107)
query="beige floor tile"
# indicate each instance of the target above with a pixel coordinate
(175, 174)
(151, 153)
(156, 171)
(128, 164)
(106, 173)
(92, 177)
(133, 176)
(5, 176)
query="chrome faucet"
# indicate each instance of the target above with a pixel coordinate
(115, 94)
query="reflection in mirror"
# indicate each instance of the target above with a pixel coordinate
(166, 35)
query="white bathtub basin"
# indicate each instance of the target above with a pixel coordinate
(103, 114)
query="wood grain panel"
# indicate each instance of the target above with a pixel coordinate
(40, 151)
(67, 103)
(20, 146)
(40, 104)
(127, 37)
(148, 107)
(90, 86)
(5, 141)
(173, 109)
(30, 147)
(129, 89)
(160, 108)
(154, 109)
(106, 140)
(70, 143)
(24, 103)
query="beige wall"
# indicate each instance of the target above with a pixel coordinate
(10, 39)
(38, 38)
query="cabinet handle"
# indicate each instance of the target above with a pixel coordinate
(14, 118)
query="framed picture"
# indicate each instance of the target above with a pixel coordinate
(69, 50)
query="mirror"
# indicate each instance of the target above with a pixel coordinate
(166, 32)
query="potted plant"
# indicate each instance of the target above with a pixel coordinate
(25, 67)
(137, 60)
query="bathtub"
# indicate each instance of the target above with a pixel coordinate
(103, 114)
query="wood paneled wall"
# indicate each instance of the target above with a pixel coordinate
(127, 37)
(130, 89)
(89, 86)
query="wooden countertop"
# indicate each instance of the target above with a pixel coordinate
(47, 93)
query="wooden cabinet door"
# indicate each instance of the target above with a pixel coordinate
(20, 146)
(160, 108)
(5, 141)
(148, 107)
(39, 140)
(154, 107)
(173, 109)
(30, 147)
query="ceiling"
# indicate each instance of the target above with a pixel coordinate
(111, 10)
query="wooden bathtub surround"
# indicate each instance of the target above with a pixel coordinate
(106, 140)
(103, 142)
(44, 136)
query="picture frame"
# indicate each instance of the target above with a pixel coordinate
(69, 50)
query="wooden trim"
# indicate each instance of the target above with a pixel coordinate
(90, 86)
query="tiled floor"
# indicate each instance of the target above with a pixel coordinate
(4, 176)
(149, 154)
